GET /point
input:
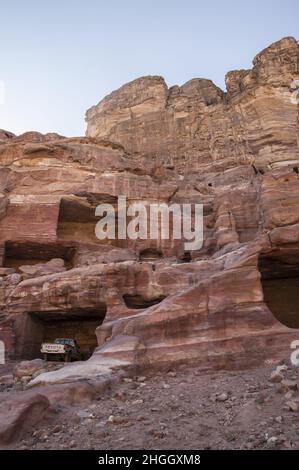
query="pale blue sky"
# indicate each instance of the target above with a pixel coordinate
(60, 57)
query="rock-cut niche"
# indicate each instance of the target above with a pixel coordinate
(280, 282)
(34, 328)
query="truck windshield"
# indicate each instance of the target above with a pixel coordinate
(70, 342)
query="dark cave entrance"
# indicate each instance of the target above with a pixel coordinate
(150, 254)
(138, 302)
(34, 328)
(29, 253)
(186, 258)
(280, 282)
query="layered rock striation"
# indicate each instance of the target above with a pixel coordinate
(149, 302)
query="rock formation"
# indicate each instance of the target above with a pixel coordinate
(148, 303)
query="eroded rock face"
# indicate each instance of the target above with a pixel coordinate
(148, 302)
(197, 127)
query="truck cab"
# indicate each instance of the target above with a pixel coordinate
(64, 348)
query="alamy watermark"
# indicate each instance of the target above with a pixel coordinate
(156, 221)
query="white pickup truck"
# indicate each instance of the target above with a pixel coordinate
(64, 348)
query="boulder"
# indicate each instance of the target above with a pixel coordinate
(19, 412)
(28, 368)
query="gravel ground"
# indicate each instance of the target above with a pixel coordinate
(179, 409)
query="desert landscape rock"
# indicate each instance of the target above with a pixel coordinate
(144, 304)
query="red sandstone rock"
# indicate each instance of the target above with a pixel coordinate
(19, 412)
(145, 302)
(196, 127)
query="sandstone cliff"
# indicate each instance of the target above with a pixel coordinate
(150, 302)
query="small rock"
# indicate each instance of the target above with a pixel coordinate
(84, 414)
(290, 384)
(141, 379)
(25, 379)
(117, 419)
(56, 429)
(292, 405)
(137, 402)
(172, 374)
(272, 440)
(276, 377)
(14, 278)
(120, 395)
(222, 397)
(156, 433)
(282, 368)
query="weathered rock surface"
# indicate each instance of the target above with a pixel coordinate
(148, 302)
(19, 412)
(197, 128)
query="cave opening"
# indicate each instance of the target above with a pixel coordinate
(150, 254)
(138, 302)
(280, 283)
(186, 258)
(76, 220)
(17, 254)
(34, 328)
